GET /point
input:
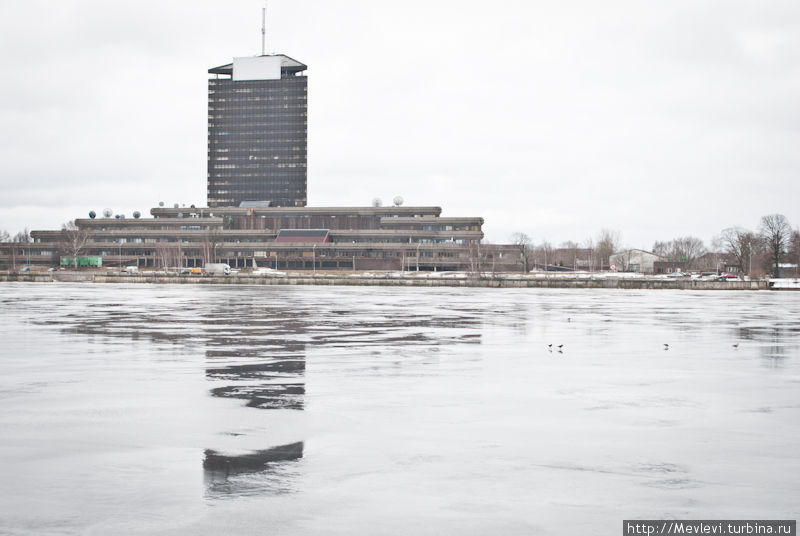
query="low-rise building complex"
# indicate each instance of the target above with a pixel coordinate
(343, 238)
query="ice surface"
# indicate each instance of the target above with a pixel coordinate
(358, 410)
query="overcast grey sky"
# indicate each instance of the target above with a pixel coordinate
(656, 119)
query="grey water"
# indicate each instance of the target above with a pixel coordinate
(355, 410)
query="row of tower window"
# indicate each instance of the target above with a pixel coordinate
(257, 166)
(262, 86)
(285, 139)
(267, 98)
(244, 150)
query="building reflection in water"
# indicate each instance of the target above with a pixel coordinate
(269, 471)
(274, 383)
(258, 355)
(258, 359)
(253, 462)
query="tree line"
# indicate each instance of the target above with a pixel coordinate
(21, 237)
(757, 251)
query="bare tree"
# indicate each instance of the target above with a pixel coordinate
(776, 233)
(74, 239)
(607, 244)
(179, 254)
(661, 248)
(794, 249)
(711, 262)
(688, 248)
(206, 250)
(475, 257)
(544, 254)
(623, 261)
(523, 242)
(685, 249)
(23, 236)
(589, 244)
(489, 255)
(162, 254)
(742, 244)
(12, 256)
(212, 239)
(11, 250)
(170, 255)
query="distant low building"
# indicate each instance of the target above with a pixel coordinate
(718, 262)
(634, 260)
(669, 267)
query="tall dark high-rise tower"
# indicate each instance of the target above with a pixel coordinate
(257, 133)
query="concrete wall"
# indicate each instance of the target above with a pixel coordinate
(411, 279)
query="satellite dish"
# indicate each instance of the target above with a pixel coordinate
(191, 206)
(137, 214)
(175, 205)
(160, 203)
(398, 200)
(107, 213)
(116, 216)
(122, 216)
(377, 202)
(92, 214)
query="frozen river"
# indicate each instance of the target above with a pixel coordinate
(358, 410)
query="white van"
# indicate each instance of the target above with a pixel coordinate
(217, 268)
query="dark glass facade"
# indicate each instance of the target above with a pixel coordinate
(257, 141)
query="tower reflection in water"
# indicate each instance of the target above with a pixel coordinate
(261, 363)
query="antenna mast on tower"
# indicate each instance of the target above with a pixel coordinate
(263, 29)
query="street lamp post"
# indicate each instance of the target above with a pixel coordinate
(314, 254)
(545, 262)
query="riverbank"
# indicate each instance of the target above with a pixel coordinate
(412, 279)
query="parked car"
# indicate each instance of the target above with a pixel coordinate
(729, 277)
(678, 273)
